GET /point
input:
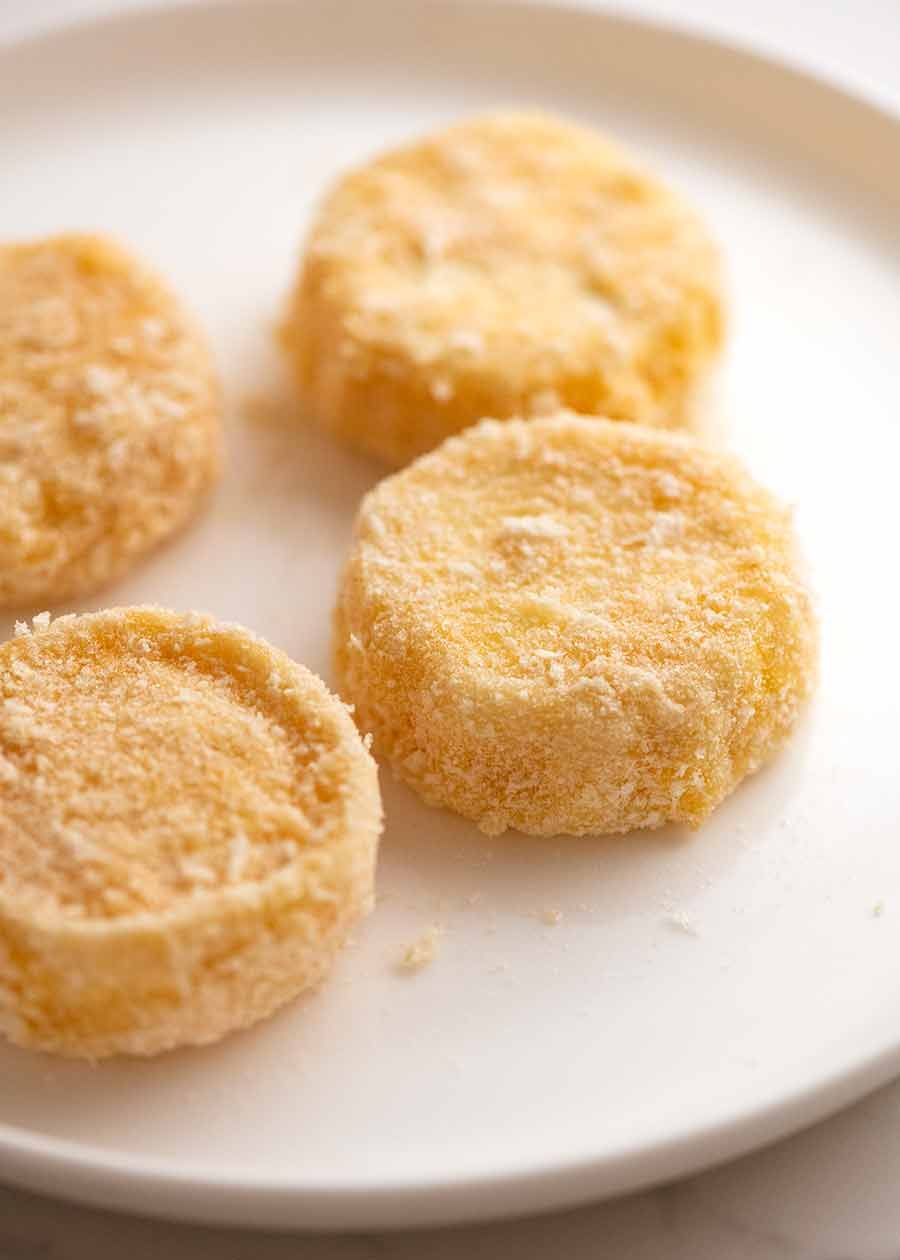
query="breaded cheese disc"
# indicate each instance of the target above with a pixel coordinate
(510, 265)
(569, 625)
(188, 829)
(109, 416)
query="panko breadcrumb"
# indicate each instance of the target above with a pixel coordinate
(422, 952)
(569, 625)
(510, 265)
(109, 416)
(188, 830)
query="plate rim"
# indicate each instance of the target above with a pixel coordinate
(855, 88)
(88, 1173)
(84, 1173)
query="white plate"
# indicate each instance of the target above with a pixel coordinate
(702, 993)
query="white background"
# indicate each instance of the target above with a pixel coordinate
(831, 1193)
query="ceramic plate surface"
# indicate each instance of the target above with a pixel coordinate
(701, 993)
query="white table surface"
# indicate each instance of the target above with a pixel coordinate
(831, 1193)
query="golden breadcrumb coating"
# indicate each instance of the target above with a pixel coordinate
(509, 265)
(188, 828)
(109, 416)
(572, 625)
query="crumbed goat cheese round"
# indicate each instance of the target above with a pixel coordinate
(510, 265)
(569, 625)
(109, 416)
(188, 829)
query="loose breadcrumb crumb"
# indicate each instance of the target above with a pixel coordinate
(681, 921)
(422, 952)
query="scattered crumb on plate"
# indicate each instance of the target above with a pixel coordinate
(422, 952)
(681, 921)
